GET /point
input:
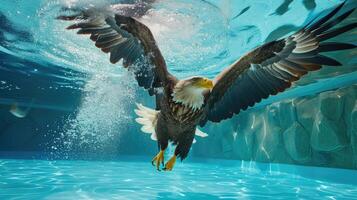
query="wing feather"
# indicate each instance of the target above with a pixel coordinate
(273, 67)
(125, 39)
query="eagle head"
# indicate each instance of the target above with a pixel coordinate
(189, 92)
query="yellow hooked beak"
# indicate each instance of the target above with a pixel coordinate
(204, 83)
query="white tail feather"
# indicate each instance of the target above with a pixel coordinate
(200, 133)
(147, 117)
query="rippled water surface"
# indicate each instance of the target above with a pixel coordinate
(133, 179)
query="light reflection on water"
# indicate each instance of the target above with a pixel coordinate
(38, 179)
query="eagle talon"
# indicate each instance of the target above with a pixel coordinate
(159, 158)
(170, 164)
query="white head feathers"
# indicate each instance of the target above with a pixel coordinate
(188, 94)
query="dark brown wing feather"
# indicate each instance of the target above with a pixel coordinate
(273, 67)
(128, 39)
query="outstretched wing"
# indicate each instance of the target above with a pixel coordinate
(272, 68)
(125, 39)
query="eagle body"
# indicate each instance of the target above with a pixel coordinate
(182, 105)
(177, 123)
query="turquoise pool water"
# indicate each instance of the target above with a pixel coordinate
(135, 178)
(79, 103)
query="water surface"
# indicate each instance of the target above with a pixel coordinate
(134, 178)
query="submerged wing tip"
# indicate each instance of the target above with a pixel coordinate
(67, 17)
(337, 64)
(339, 6)
(71, 27)
(61, 17)
(113, 61)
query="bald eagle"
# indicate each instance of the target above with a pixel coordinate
(182, 105)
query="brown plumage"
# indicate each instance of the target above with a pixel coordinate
(184, 104)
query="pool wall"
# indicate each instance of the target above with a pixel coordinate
(315, 130)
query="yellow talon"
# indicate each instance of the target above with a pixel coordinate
(159, 158)
(170, 164)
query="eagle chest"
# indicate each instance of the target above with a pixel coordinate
(182, 113)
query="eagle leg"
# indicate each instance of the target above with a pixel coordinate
(170, 164)
(159, 158)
